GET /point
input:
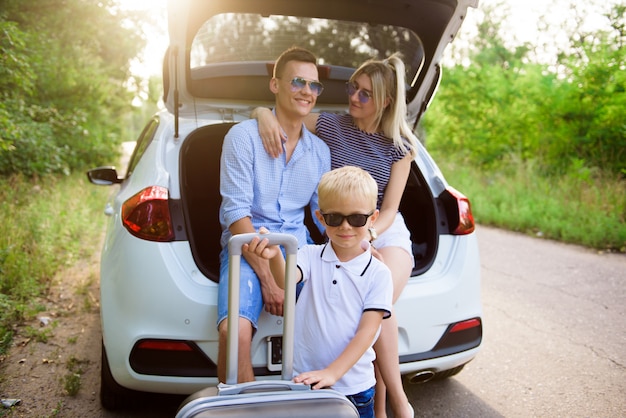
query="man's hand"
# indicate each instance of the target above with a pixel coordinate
(273, 297)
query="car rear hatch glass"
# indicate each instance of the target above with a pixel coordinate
(223, 50)
(232, 54)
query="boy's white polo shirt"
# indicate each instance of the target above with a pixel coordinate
(329, 309)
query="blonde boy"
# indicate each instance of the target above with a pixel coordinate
(346, 292)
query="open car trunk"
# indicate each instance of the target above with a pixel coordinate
(220, 62)
(199, 174)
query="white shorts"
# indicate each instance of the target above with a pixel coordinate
(397, 235)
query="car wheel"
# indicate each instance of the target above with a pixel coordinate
(448, 373)
(112, 395)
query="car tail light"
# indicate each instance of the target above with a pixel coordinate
(146, 215)
(165, 345)
(464, 220)
(462, 326)
(462, 335)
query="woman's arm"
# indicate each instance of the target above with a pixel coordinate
(393, 193)
(270, 131)
(363, 339)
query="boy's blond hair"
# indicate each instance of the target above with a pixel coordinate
(347, 181)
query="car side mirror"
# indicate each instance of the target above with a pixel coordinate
(104, 176)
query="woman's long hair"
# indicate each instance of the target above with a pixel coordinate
(388, 84)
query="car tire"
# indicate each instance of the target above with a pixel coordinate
(113, 396)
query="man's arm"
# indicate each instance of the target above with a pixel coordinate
(363, 339)
(236, 188)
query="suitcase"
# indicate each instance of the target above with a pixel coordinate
(264, 398)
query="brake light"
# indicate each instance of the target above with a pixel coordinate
(146, 215)
(462, 326)
(465, 223)
(460, 336)
(164, 345)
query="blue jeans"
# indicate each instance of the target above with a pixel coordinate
(364, 402)
(250, 295)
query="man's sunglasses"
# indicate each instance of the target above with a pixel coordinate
(356, 220)
(364, 95)
(298, 83)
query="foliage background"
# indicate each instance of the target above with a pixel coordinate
(564, 115)
(539, 147)
(64, 83)
(65, 105)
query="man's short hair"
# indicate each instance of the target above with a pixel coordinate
(294, 53)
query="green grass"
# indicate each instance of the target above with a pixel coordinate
(46, 224)
(585, 207)
(72, 380)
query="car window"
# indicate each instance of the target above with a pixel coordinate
(142, 143)
(246, 37)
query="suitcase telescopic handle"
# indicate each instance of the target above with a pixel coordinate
(290, 244)
(288, 241)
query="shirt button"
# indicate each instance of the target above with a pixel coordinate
(337, 266)
(334, 281)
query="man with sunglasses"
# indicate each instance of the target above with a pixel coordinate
(259, 190)
(346, 292)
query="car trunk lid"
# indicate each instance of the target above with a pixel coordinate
(217, 60)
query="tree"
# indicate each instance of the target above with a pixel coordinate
(499, 103)
(594, 88)
(68, 88)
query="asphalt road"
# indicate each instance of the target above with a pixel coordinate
(554, 338)
(554, 342)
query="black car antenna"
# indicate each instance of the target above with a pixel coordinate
(176, 104)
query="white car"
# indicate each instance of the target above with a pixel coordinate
(160, 261)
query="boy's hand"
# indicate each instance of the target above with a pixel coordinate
(261, 248)
(318, 379)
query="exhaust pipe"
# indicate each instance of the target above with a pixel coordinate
(422, 376)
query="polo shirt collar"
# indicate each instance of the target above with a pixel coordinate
(357, 266)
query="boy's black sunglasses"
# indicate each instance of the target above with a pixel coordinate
(356, 219)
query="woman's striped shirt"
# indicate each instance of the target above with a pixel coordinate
(373, 152)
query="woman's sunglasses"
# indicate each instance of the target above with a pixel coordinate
(364, 95)
(356, 220)
(298, 83)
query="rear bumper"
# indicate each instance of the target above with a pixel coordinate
(439, 364)
(454, 341)
(148, 294)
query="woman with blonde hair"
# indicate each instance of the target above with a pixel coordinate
(375, 136)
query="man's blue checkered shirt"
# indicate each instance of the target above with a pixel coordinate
(273, 193)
